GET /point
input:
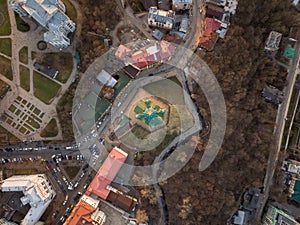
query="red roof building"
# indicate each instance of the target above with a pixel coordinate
(122, 52)
(107, 173)
(146, 56)
(214, 11)
(84, 212)
(210, 37)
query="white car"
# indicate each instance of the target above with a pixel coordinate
(70, 188)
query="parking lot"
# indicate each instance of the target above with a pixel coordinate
(65, 166)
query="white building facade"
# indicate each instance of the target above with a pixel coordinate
(182, 4)
(160, 18)
(49, 14)
(37, 190)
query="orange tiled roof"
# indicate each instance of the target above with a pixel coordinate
(81, 214)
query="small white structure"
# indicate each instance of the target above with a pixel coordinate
(160, 18)
(291, 166)
(182, 4)
(49, 14)
(231, 6)
(239, 218)
(106, 79)
(37, 191)
(273, 41)
(217, 2)
(98, 217)
(295, 2)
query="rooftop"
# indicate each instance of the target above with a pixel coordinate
(273, 41)
(175, 2)
(239, 218)
(276, 216)
(184, 25)
(146, 54)
(272, 94)
(296, 191)
(45, 69)
(85, 212)
(107, 173)
(161, 16)
(106, 79)
(49, 14)
(37, 191)
(157, 34)
(208, 38)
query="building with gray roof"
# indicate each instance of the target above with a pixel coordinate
(273, 95)
(239, 218)
(184, 25)
(106, 79)
(160, 18)
(51, 15)
(157, 34)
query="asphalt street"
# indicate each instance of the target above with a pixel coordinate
(281, 121)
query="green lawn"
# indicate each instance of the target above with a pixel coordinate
(101, 106)
(31, 121)
(25, 78)
(72, 171)
(44, 88)
(122, 82)
(7, 137)
(50, 130)
(23, 55)
(4, 19)
(21, 24)
(4, 87)
(169, 89)
(36, 111)
(61, 61)
(12, 108)
(5, 46)
(5, 67)
(140, 132)
(71, 11)
(33, 55)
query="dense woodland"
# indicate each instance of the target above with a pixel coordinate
(242, 70)
(99, 17)
(64, 111)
